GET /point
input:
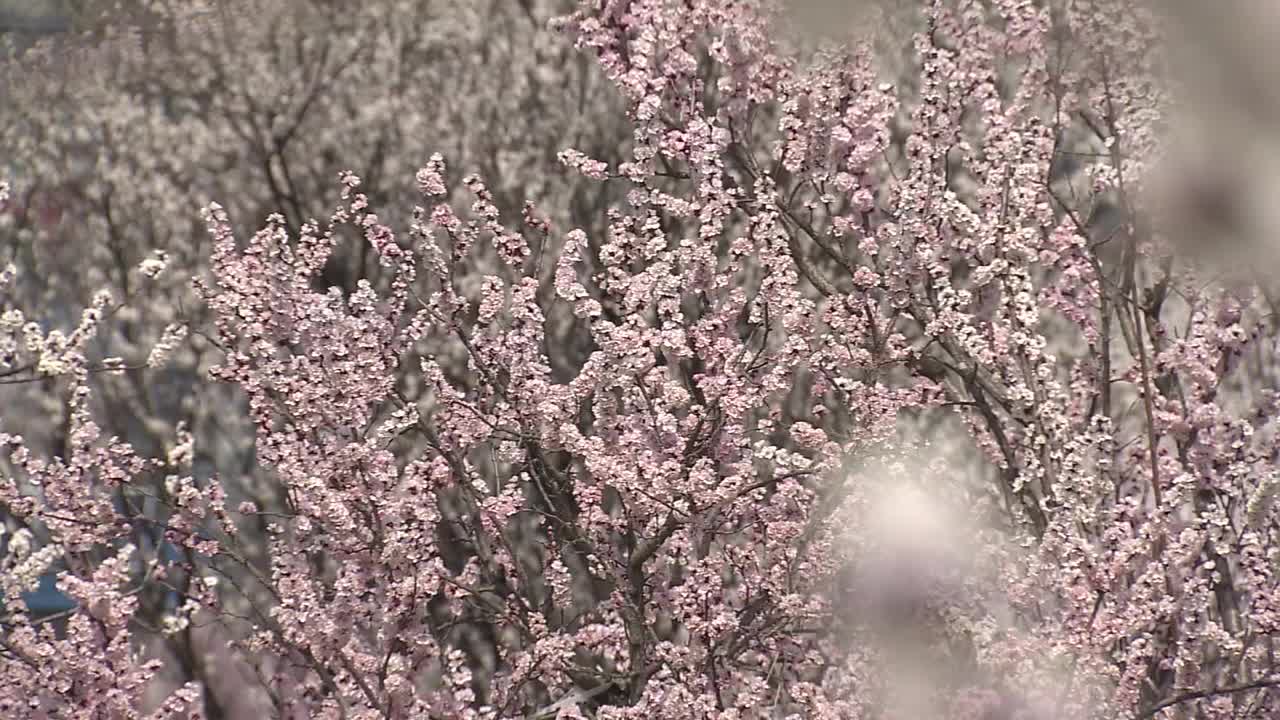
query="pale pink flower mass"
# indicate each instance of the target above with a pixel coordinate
(855, 378)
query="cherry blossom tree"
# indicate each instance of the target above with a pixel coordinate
(668, 462)
(109, 139)
(113, 139)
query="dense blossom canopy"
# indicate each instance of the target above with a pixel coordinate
(870, 388)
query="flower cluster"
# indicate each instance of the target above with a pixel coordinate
(665, 462)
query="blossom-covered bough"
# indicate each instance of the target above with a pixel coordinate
(707, 499)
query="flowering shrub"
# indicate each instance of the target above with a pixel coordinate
(707, 498)
(110, 141)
